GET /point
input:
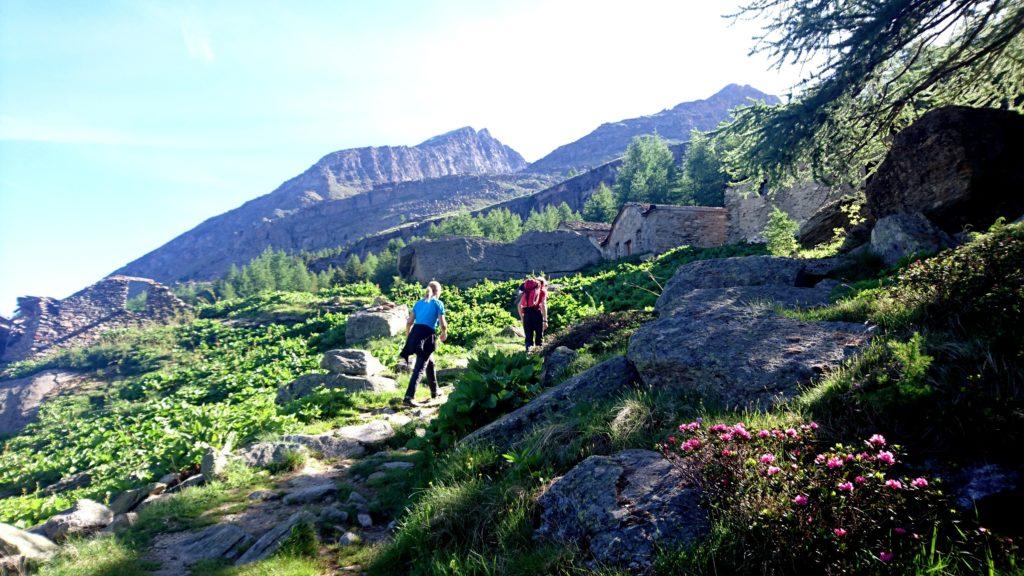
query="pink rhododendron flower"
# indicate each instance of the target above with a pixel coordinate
(845, 487)
(778, 434)
(887, 458)
(900, 531)
(773, 470)
(848, 457)
(820, 459)
(767, 458)
(725, 437)
(860, 479)
(919, 483)
(691, 444)
(726, 452)
(834, 463)
(800, 500)
(813, 425)
(885, 556)
(763, 434)
(719, 428)
(791, 432)
(877, 440)
(742, 433)
(839, 532)
(894, 484)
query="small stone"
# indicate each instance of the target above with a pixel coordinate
(311, 494)
(169, 480)
(157, 488)
(123, 521)
(197, 480)
(333, 515)
(349, 538)
(398, 465)
(263, 495)
(356, 499)
(364, 520)
(128, 500)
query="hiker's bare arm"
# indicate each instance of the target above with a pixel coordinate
(444, 328)
(544, 311)
(409, 323)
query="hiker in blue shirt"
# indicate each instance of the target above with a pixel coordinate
(421, 340)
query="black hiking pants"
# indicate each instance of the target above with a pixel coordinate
(533, 326)
(421, 342)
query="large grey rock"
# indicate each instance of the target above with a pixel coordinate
(220, 541)
(465, 261)
(898, 236)
(17, 542)
(351, 362)
(270, 454)
(732, 348)
(744, 271)
(85, 517)
(603, 381)
(622, 508)
(129, 499)
(346, 442)
(20, 398)
(556, 363)
(376, 322)
(958, 166)
(975, 484)
(750, 206)
(269, 542)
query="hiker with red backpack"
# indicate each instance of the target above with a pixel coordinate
(533, 310)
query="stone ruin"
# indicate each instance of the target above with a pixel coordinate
(43, 324)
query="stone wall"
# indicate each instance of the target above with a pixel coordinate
(750, 207)
(43, 324)
(657, 228)
(465, 261)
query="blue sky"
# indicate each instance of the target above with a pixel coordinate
(123, 124)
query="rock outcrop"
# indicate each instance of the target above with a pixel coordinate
(610, 140)
(351, 362)
(347, 441)
(606, 380)
(220, 541)
(719, 336)
(45, 324)
(466, 261)
(622, 508)
(270, 454)
(269, 542)
(958, 166)
(20, 398)
(820, 227)
(17, 542)
(351, 369)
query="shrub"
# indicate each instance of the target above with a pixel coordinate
(789, 507)
(780, 232)
(494, 384)
(365, 289)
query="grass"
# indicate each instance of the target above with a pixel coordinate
(281, 565)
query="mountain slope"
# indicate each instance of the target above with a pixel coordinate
(345, 195)
(610, 140)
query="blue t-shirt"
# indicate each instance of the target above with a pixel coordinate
(427, 312)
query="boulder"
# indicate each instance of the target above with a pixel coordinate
(958, 166)
(376, 322)
(269, 542)
(603, 381)
(465, 261)
(123, 521)
(17, 542)
(622, 509)
(556, 363)
(820, 228)
(333, 515)
(311, 494)
(351, 362)
(195, 480)
(898, 236)
(214, 463)
(346, 442)
(744, 271)
(975, 484)
(349, 538)
(20, 398)
(269, 454)
(85, 517)
(731, 347)
(305, 385)
(220, 541)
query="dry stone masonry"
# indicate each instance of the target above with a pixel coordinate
(657, 228)
(43, 324)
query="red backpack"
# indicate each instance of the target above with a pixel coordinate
(531, 293)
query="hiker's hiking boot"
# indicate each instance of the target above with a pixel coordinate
(410, 402)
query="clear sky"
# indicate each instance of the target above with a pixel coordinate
(125, 123)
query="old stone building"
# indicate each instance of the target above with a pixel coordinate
(42, 324)
(657, 228)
